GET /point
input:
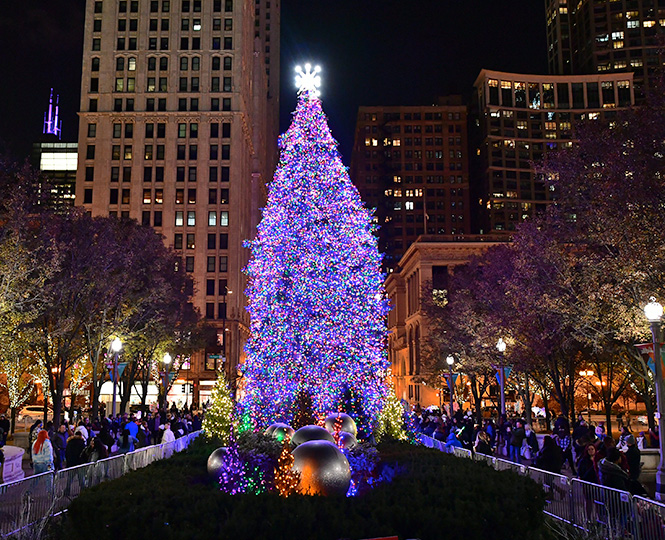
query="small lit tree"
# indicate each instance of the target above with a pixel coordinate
(286, 479)
(219, 420)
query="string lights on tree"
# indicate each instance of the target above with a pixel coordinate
(315, 291)
(286, 479)
(219, 420)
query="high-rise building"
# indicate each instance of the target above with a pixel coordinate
(411, 164)
(55, 159)
(518, 119)
(598, 36)
(178, 129)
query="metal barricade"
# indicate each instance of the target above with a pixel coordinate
(136, 459)
(505, 465)
(461, 452)
(650, 517)
(109, 469)
(25, 501)
(490, 460)
(70, 482)
(558, 493)
(604, 511)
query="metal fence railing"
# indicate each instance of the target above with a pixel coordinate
(601, 510)
(30, 501)
(462, 452)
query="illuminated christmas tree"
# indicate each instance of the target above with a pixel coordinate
(286, 479)
(219, 420)
(392, 423)
(316, 290)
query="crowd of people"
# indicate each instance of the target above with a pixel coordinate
(87, 441)
(585, 450)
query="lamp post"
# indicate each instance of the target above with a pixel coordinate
(116, 346)
(654, 313)
(450, 361)
(165, 380)
(586, 374)
(501, 347)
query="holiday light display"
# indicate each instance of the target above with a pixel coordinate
(391, 420)
(219, 420)
(286, 480)
(316, 291)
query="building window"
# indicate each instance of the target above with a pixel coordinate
(212, 218)
(189, 264)
(224, 219)
(191, 218)
(177, 241)
(179, 218)
(87, 196)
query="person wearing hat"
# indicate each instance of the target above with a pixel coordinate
(633, 455)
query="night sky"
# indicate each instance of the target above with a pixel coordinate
(372, 52)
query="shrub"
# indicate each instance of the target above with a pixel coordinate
(432, 495)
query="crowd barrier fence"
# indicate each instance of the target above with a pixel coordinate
(34, 499)
(604, 511)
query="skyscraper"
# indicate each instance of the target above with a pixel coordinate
(519, 120)
(597, 36)
(178, 129)
(411, 164)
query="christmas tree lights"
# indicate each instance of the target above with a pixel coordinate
(391, 419)
(286, 480)
(316, 290)
(219, 420)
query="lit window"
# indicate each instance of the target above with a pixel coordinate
(618, 44)
(397, 142)
(147, 196)
(191, 218)
(131, 64)
(179, 219)
(212, 218)
(224, 218)
(648, 24)
(375, 142)
(408, 205)
(197, 25)
(368, 141)
(397, 179)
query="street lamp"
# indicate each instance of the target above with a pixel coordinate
(450, 361)
(654, 313)
(501, 347)
(116, 346)
(586, 374)
(165, 381)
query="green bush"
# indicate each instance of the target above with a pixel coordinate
(433, 495)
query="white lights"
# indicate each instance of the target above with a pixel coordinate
(653, 310)
(450, 360)
(167, 358)
(116, 345)
(308, 81)
(501, 346)
(58, 161)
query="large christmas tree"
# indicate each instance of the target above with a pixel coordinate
(316, 289)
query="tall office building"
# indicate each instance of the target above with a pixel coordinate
(518, 119)
(597, 36)
(411, 164)
(178, 129)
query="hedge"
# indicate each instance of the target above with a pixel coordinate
(434, 495)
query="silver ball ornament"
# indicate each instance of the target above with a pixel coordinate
(348, 423)
(280, 431)
(346, 440)
(215, 462)
(323, 468)
(311, 433)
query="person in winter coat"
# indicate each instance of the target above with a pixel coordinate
(74, 450)
(531, 439)
(586, 469)
(550, 457)
(126, 443)
(452, 441)
(633, 456)
(169, 436)
(482, 445)
(517, 437)
(610, 473)
(42, 453)
(95, 451)
(59, 446)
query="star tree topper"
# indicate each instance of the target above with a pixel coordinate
(308, 81)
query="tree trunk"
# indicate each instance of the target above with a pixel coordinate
(651, 417)
(608, 417)
(13, 418)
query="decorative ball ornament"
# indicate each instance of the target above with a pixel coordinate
(346, 440)
(270, 429)
(348, 424)
(280, 431)
(216, 461)
(323, 469)
(311, 433)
